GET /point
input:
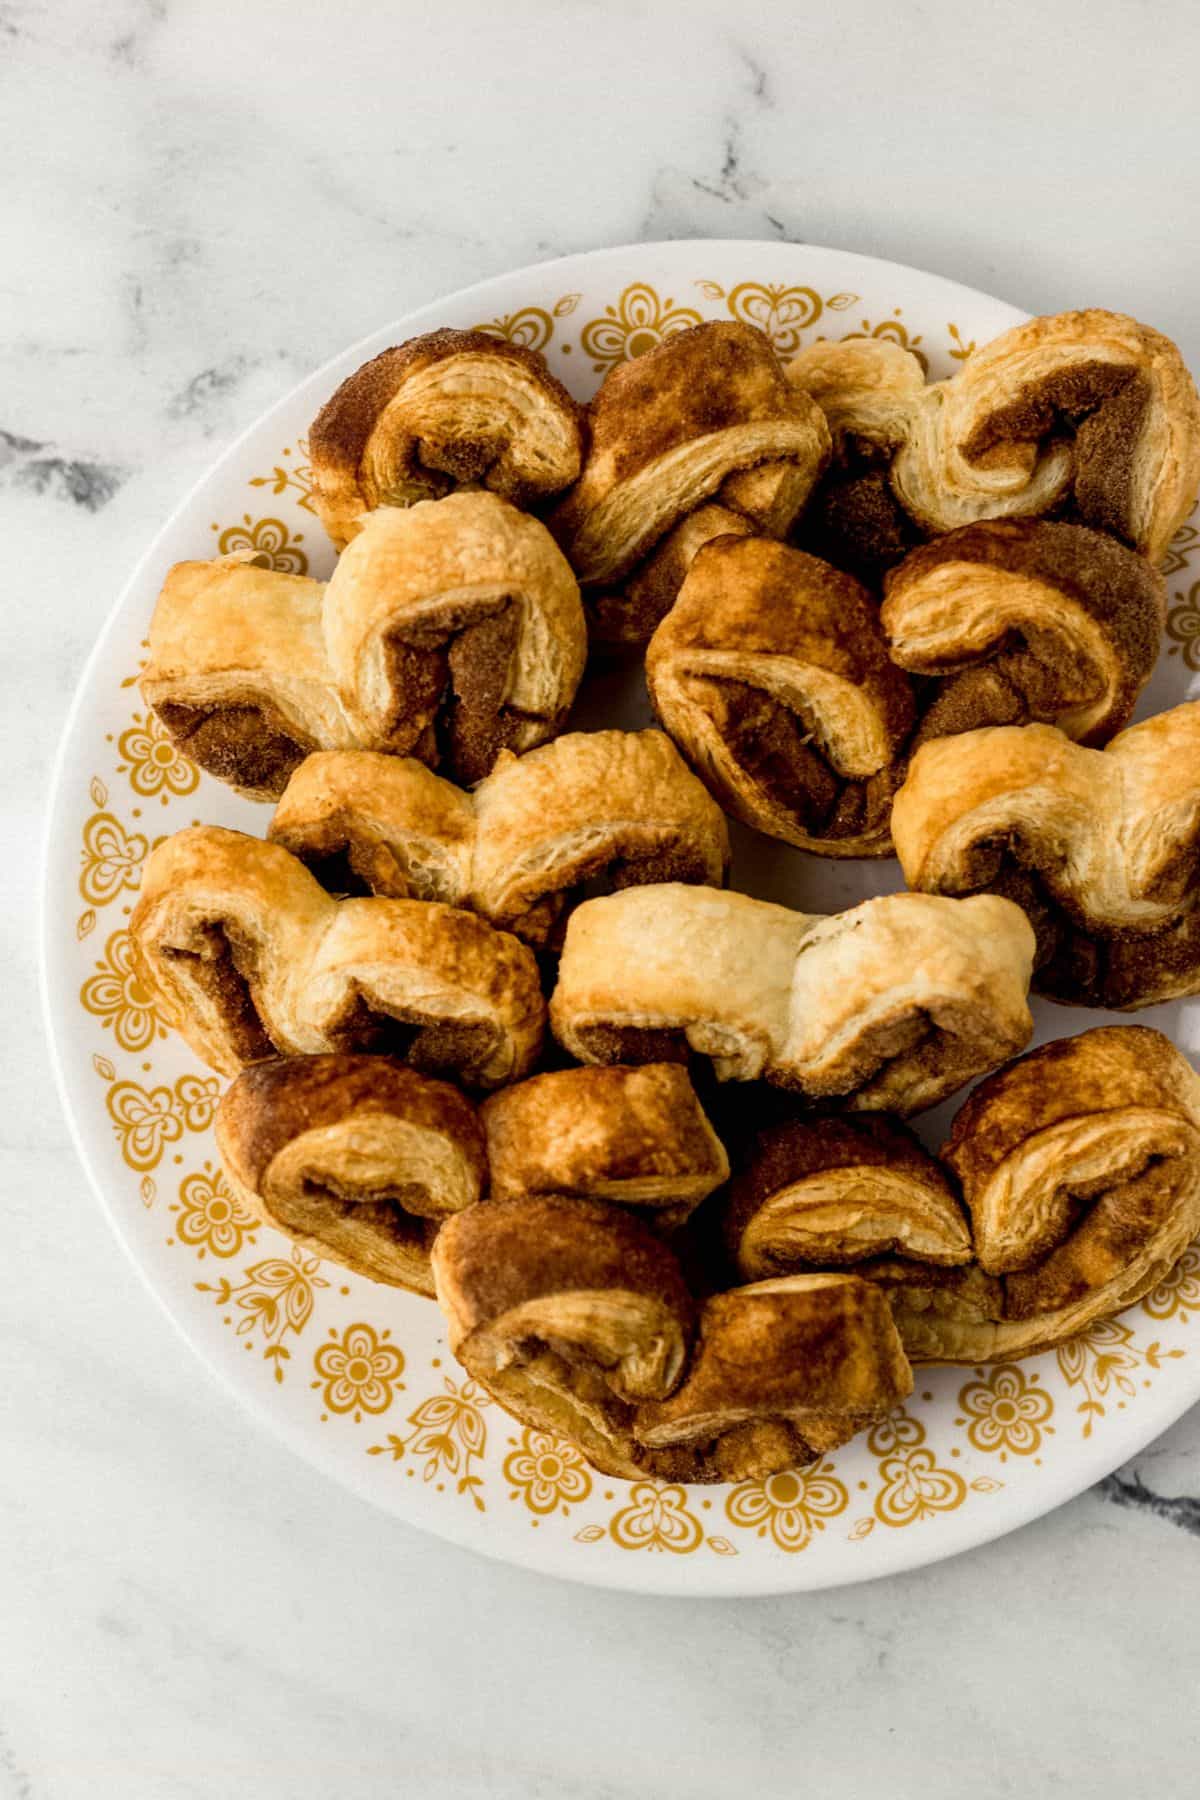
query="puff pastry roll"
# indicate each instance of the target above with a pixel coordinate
(568, 1312)
(889, 1006)
(454, 630)
(356, 1157)
(772, 674)
(1026, 619)
(593, 810)
(635, 1136)
(1089, 409)
(708, 415)
(1099, 846)
(815, 1192)
(447, 408)
(782, 1372)
(1080, 1167)
(248, 956)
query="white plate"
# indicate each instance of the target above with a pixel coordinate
(357, 1378)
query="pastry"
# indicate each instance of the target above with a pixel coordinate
(706, 416)
(1080, 1167)
(1026, 619)
(1086, 410)
(636, 1136)
(454, 630)
(355, 1157)
(889, 1006)
(831, 1191)
(1099, 846)
(594, 810)
(447, 408)
(247, 955)
(771, 673)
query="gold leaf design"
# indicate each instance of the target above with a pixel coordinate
(788, 1507)
(1178, 1292)
(1182, 546)
(146, 1120)
(721, 1545)
(111, 856)
(104, 1068)
(117, 997)
(590, 1534)
(1102, 1361)
(148, 1190)
(986, 1484)
(98, 791)
(913, 1485)
(861, 1528)
(1006, 1411)
(840, 302)
(268, 539)
(85, 924)
(546, 1473)
(449, 1435)
(210, 1218)
(273, 1298)
(296, 478)
(712, 290)
(152, 762)
(359, 1371)
(958, 349)
(782, 312)
(637, 322)
(531, 327)
(1183, 625)
(566, 304)
(656, 1518)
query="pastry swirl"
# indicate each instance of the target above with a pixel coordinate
(443, 409)
(355, 1157)
(248, 957)
(1101, 847)
(889, 1006)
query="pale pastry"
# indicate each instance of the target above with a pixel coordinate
(248, 956)
(889, 1006)
(694, 420)
(448, 408)
(772, 674)
(1099, 846)
(1026, 619)
(357, 1158)
(592, 810)
(634, 1136)
(830, 1191)
(1087, 409)
(1080, 1167)
(454, 630)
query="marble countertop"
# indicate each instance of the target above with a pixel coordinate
(198, 204)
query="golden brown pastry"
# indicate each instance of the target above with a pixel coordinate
(569, 1313)
(443, 409)
(1080, 1167)
(889, 1006)
(247, 956)
(1099, 846)
(355, 1157)
(454, 631)
(635, 1136)
(816, 1192)
(1087, 409)
(593, 810)
(782, 1372)
(708, 415)
(1026, 619)
(771, 673)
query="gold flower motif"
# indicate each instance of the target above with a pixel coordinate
(146, 1120)
(790, 1506)
(112, 859)
(274, 1297)
(546, 1472)
(637, 322)
(152, 762)
(958, 349)
(783, 313)
(1179, 1292)
(268, 539)
(1182, 545)
(531, 327)
(1006, 1411)
(359, 1371)
(117, 997)
(299, 477)
(211, 1217)
(449, 1434)
(1183, 625)
(657, 1518)
(914, 1486)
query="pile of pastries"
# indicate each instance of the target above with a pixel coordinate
(497, 1030)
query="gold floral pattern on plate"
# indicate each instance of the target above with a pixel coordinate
(635, 323)
(784, 313)
(117, 997)
(275, 1297)
(146, 1120)
(913, 1485)
(1006, 1411)
(210, 1218)
(290, 478)
(1183, 626)
(656, 1516)
(1178, 1294)
(449, 1436)
(1104, 1361)
(152, 762)
(546, 1473)
(358, 1371)
(111, 857)
(268, 541)
(789, 1507)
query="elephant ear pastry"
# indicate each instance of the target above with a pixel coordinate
(1101, 847)
(1025, 619)
(357, 1158)
(889, 1006)
(454, 630)
(634, 1136)
(569, 1313)
(668, 429)
(448, 408)
(815, 1192)
(248, 956)
(783, 1371)
(772, 674)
